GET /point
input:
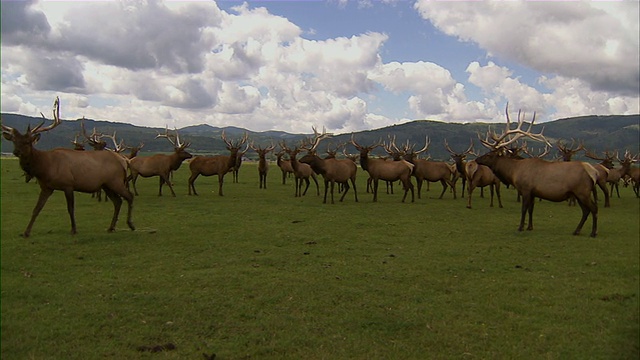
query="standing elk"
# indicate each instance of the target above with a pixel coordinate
(236, 167)
(301, 172)
(263, 166)
(481, 176)
(333, 170)
(380, 169)
(634, 174)
(603, 167)
(459, 161)
(534, 177)
(160, 165)
(69, 170)
(615, 174)
(216, 165)
(430, 171)
(284, 165)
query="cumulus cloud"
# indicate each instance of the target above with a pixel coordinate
(592, 41)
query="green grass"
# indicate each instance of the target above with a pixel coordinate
(259, 274)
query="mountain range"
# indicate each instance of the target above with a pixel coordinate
(597, 133)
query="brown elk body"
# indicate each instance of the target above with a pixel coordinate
(284, 165)
(616, 174)
(301, 172)
(70, 170)
(634, 174)
(534, 177)
(160, 165)
(459, 162)
(603, 167)
(333, 170)
(380, 169)
(216, 165)
(481, 176)
(263, 166)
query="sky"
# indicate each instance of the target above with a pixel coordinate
(343, 65)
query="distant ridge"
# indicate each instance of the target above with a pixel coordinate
(599, 133)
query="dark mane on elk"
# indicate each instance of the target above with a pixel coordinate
(69, 170)
(160, 165)
(263, 166)
(534, 177)
(333, 170)
(216, 165)
(380, 169)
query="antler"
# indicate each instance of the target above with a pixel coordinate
(317, 137)
(56, 119)
(117, 147)
(176, 143)
(510, 136)
(468, 151)
(230, 144)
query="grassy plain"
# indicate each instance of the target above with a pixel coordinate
(259, 274)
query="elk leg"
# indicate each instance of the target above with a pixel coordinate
(444, 188)
(326, 189)
(606, 194)
(42, 199)
(192, 185)
(470, 188)
(168, 182)
(68, 195)
(134, 178)
(220, 183)
(531, 204)
(525, 207)
(317, 186)
(355, 192)
(306, 180)
(410, 186)
(344, 191)
(498, 194)
(375, 189)
(491, 190)
(419, 183)
(117, 204)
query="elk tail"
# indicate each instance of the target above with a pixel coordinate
(470, 168)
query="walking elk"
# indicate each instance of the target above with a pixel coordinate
(160, 165)
(216, 165)
(69, 170)
(380, 169)
(534, 177)
(263, 166)
(333, 170)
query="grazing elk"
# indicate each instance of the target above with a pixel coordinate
(263, 166)
(534, 177)
(430, 171)
(284, 165)
(69, 170)
(380, 169)
(333, 170)
(459, 160)
(216, 165)
(301, 172)
(160, 165)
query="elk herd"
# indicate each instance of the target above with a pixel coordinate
(110, 170)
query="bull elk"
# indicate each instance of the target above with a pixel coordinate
(263, 166)
(301, 172)
(160, 165)
(430, 171)
(380, 169)
(216, 165)
(534, 177)
(284, 165)
(333, 170)
(69, 170)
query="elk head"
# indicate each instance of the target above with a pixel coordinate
(23, 143)
(458, 157)
(235, 144)
(178, 147)
(606, 161)
(567, 151)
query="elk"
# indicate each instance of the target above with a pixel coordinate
(69, 170)
(458, 159)
(634, 173)
(481, 176)
(160, 165)
(430, 171)
(300, 171)
(216, 165)
(615, 174)
(236, 166)
(380, 169)
(603, 167)
(534, 177)
(333, 170)
(284, 165)
(567, 152)
(263, 166)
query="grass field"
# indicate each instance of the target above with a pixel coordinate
(259, 274)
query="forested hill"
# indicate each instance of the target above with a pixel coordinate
(598, 133)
